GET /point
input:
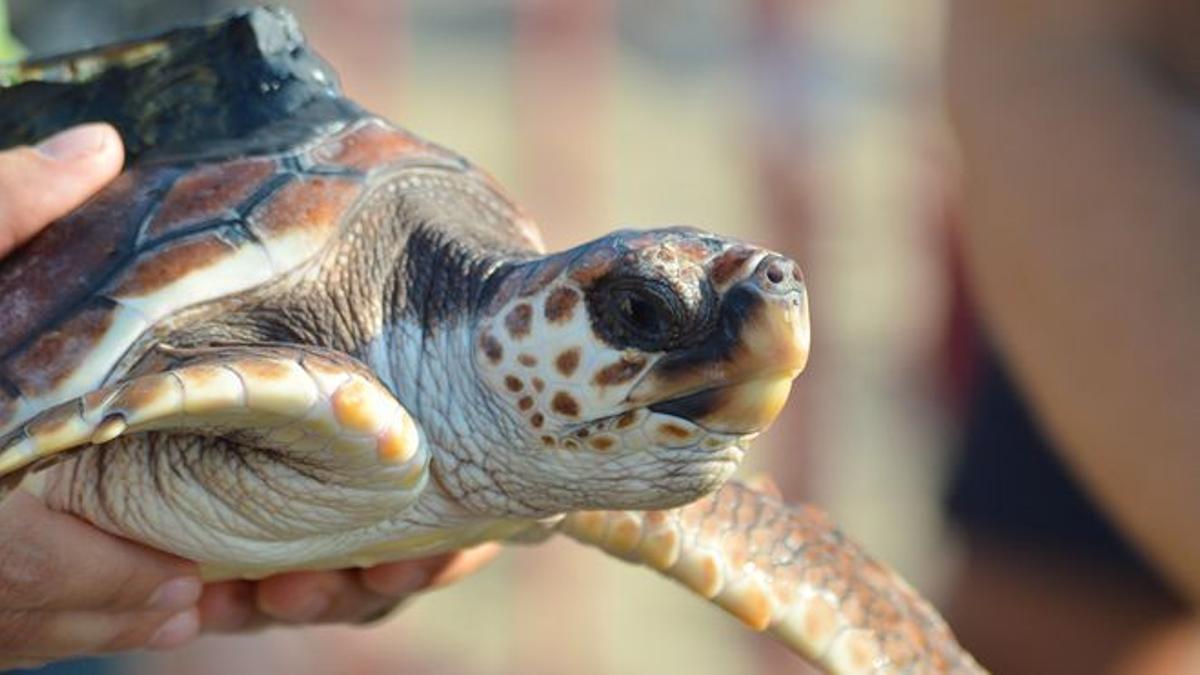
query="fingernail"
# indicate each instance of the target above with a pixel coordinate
(177, 630)
(177, 594)
(75, 143)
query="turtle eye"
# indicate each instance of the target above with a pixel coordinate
(644, 313)
(637, 312)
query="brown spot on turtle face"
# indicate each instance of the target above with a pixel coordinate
(626, 419)
(518, 320)
(209, 192)
(525, 403)
(602, 443)
(571, 444)
(513, 384)
(568, 361)
(491, 347)
(527, 360)
(565, 404)
(43, 365)
(539, 384)
(674, 431)
(171, 263)
(560, 305)
(620, 372)
(537, 420)
(582, 433)
(548, 441)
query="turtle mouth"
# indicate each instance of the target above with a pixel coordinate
(740, 408)
(739, 383)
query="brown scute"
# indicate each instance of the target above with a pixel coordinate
(568, 361)
(263, 369)
(525, 403)
(51, 422)
(94, 400)
(171, 263)
(539, 384)
(63, 265)
(513, 384)
(315, 205)
(491, 347)
(626, 419)
(728, 264)
(565, 404)
(209, 192)
(620, 372)
(518, 321)
(537, 420)
(560, 305)
(548, 441)
(527, 360)
(40, 367)
(142, 392)
(369, 146)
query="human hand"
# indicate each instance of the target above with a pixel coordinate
(67, 588)
(338, 596)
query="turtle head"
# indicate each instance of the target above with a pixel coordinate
(648, 356)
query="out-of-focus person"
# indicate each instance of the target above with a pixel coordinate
(1077, 127)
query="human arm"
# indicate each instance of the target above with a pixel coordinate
(1077, 123)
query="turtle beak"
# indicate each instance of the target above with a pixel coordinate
(739, 380)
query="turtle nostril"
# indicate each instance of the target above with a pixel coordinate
(778, 275)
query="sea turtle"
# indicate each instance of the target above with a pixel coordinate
(295, 336)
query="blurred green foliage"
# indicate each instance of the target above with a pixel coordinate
(10, 49)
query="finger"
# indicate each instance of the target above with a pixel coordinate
(409, 576)
(230, 606)
(50, 560)
(39, 185)
(319, 597)
(40, 636)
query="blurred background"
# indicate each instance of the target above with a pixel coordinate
(813, 127)
(808, 126)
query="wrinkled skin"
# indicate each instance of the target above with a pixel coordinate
(58, 572)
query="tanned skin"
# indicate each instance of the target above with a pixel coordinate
(1078, 126)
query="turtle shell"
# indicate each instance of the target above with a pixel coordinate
(245, 162)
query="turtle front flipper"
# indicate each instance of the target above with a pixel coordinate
(786, 569)
(247, 458)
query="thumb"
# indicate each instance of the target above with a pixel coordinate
(43, 183)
